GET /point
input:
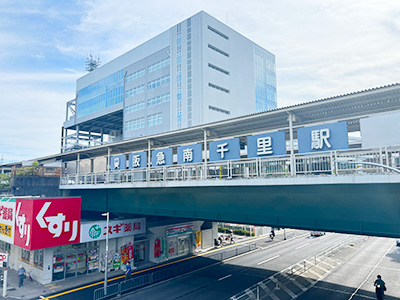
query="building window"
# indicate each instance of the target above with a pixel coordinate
(218, 50)
(158, 65)
(154, 119)
(25, 255)
(135, 107)
(104, 93)
(219, 110)
(135, 91)
(38, 258)
(134, 124)
(218, 32)
(135, 75)
(218, 69)
(219, 88)
(158, 82)
(158, 100)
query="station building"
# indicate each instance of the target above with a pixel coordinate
(199, 71)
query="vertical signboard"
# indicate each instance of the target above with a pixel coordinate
(323, 137)
(161, 157)
(47, 222)
(138, 160)
(268, 144)
(7, 215)
(225, 150)
(189, 154)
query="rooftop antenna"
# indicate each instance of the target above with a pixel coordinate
(92, 63)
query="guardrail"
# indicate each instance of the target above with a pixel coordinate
(161, 275)
(285, 276)
(356, 162)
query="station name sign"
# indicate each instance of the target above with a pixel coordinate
(324, 137)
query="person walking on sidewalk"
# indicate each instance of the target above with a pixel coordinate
(128, 271)
(21, 275)
(380, 288)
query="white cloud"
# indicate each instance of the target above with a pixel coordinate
(323, 49)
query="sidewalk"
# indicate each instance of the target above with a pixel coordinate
(33, 290)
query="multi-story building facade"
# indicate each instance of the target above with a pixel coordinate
(197, 72)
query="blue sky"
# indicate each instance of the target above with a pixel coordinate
(323, 49)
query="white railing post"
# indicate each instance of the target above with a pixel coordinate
(292, 158)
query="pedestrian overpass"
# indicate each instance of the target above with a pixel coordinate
(353, 197)
(308, 183)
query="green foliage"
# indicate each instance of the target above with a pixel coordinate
(235, 231)
(29, 170)
(4, 181)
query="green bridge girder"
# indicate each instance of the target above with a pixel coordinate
(366, 209)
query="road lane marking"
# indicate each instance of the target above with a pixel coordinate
(341, 292)
(169, 263)
(267, 260)
(299, 247)
(225, 277)
(370, 273)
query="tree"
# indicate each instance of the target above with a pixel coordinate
(4, 181)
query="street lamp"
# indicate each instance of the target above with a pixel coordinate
(107, 214)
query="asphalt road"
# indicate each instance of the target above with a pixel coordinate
(348, 274)
(226, 279)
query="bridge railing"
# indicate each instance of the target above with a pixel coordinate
(354, 161)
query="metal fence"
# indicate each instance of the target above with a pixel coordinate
(356, 162)
(161, 275)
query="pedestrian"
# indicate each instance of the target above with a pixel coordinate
(128, 270)
(21, 275)
(380, 288)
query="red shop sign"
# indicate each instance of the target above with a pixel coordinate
(47, 222)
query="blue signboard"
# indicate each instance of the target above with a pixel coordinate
(267, 144)
(161, 157)
(189, 154)
(225, 150)
(117, 162)
(138, 160)
(323, 137)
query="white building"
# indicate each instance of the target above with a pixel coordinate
(196, 72)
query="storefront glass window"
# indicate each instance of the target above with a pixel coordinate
(139, 252)
(58, 266)
(6, 247)
(93, 260)
(25, 255)
(183, 245)
(38, 258)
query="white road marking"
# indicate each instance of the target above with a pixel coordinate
(341, 292)
(225, 277)
(267, 260)
(299, 247)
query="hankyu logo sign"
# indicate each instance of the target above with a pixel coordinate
(43, 223)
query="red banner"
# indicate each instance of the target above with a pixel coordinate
(47, 222)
